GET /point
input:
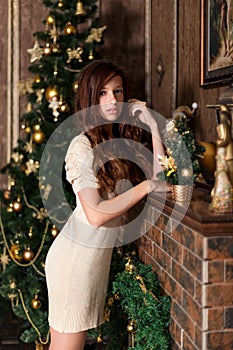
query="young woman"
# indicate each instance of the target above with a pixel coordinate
(78, 262)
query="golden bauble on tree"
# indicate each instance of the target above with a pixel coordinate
(75, 86)
(17, 206)
(38, 79)
(54, 231)
(70, 29)
(63, 107)
(60, 4)
(91, 55)
(47, 49)
(30, 233)
(26, 128)
(38, 136)
(28, 254)
(50, 20)
(9, 209)
(7, 194)
(36, 303)
(131, 327)
(51, 92)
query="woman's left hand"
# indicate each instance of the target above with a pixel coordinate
(138, 109)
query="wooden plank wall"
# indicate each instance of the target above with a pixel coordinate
(31, 14)
(3, 79)
(124, 39)
(188, 87)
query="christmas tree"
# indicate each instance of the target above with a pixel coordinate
(69, 41)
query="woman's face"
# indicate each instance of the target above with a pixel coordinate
(112, 93)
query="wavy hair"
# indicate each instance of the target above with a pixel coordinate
(129, 162)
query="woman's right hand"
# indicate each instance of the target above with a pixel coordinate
(158, 186)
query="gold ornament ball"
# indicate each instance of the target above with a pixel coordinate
(30, 233)
(75, 86)
(47, 50)
(63, 108)
(60, 4)
(91, 56)
(37, 79)
(38, 136)
(26, 128)
(7, 194)
(50, 20)
(70, 29)
(28, 254)
(54, 231)
(51, 92)
(36, 127)
(15, 252)
(9, 209)
(17, 206)
(208, 162)
(131, 327)
(36, 303)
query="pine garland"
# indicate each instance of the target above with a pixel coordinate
(136, 306)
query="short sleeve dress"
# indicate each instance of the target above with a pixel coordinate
(78, 262)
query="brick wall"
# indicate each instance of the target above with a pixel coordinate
(197, 272)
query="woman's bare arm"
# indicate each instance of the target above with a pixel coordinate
(99, 211)
(139, 110)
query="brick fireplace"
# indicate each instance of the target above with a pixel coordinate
(194, 261)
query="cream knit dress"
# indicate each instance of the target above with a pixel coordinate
(78, 262)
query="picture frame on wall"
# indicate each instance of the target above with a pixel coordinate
(216, 42)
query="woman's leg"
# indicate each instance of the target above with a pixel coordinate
(67, 341)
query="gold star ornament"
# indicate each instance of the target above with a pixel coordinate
(36, 52)
(4, 259)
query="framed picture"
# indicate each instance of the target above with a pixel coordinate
(216, 42)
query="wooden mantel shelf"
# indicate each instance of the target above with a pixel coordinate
(195, 214)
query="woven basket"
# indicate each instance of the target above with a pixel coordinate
(181, 193)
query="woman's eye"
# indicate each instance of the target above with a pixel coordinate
(102, 93)
(119, 91)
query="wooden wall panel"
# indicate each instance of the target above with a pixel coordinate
(3, 79)
(189, 58)
(188, 88)
(31, 13)
(124, 40)
(162, 37)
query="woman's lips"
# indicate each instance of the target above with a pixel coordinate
(112, 111)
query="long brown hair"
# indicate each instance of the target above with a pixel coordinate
(109, 168)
